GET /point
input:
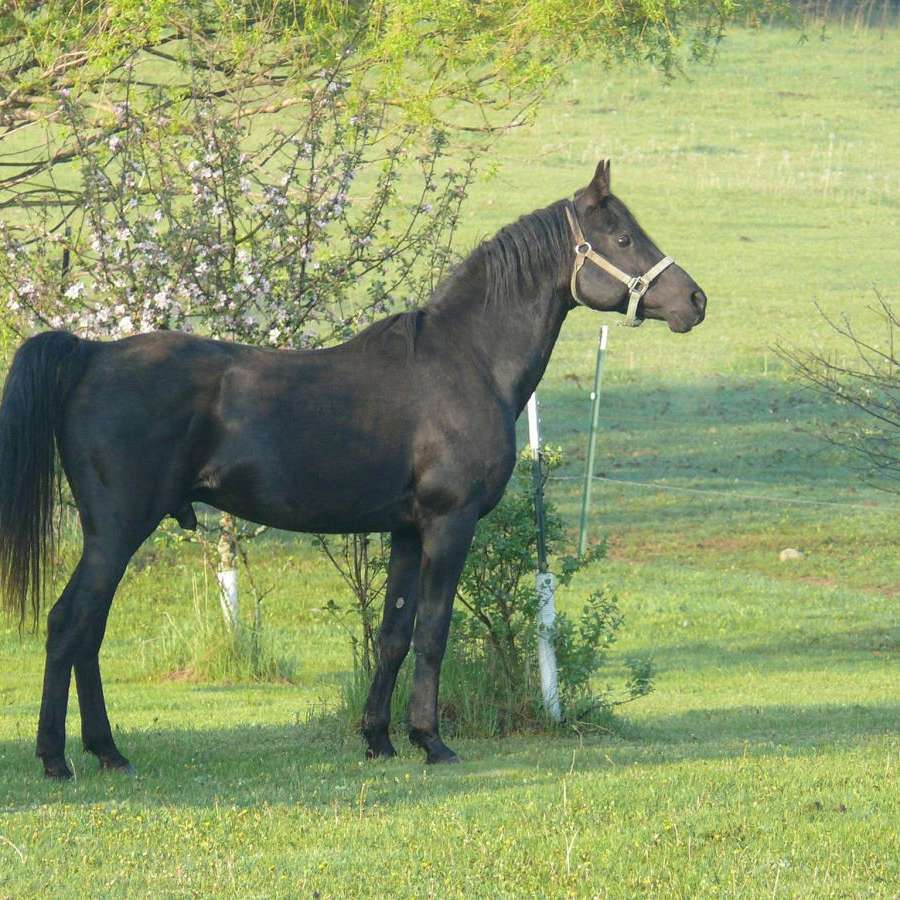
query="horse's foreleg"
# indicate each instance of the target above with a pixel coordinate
(75, 629)
(400, 602)
(445, 543)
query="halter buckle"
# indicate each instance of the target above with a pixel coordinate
(638, 285)
(582, 248)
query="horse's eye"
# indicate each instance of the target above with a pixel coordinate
(623, 240)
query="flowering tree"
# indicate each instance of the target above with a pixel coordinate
(269, 240)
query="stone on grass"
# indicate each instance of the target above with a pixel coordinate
(790, 553)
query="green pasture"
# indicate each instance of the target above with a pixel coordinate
(766, 762)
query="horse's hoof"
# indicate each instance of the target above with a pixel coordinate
(57, 770)
(446, 755)
(380, 746)
(436, 750)
(384, 752)
(117, 764)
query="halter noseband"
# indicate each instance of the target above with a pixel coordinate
(637, 285)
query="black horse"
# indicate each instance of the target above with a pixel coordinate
(408, 428)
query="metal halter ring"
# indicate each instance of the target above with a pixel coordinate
(583, 248)
(639, 285)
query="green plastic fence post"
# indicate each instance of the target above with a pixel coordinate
(589, 465)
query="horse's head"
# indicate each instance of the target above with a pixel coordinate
(618, 267)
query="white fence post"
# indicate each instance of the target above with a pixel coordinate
(545, 582)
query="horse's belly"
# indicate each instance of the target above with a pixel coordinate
(333, 495)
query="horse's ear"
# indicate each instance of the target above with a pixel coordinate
(599, 186)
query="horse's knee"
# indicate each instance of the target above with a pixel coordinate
(393, 646)
(89, 646)
(430, 649)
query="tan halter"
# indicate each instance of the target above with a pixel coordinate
(637, 284)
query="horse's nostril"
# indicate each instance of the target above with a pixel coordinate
(698, 299)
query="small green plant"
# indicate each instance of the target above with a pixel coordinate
(494, 640)
(362, 562)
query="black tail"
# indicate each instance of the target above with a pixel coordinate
(44, 370)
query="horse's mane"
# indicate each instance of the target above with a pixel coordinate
(517, 258)
(521, 255)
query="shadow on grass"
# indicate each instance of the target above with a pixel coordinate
(834, 651)
(312, 764)
(759, 730)
(753, 435)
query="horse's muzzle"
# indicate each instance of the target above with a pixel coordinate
(683, 320)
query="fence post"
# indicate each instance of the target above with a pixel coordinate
(545, 583)
(589, 465)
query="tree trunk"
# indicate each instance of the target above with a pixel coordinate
(227, 575)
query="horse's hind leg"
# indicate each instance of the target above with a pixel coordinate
(51, 738)
(75, 629)
(96, 733)
(400, 602)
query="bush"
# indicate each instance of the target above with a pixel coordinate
(494, 644)
(866, 381)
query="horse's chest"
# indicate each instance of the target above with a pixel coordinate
(455, 467)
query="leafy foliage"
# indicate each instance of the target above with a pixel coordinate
(495, 626)
(428, 61)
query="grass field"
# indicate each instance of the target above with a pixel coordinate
(766, 762)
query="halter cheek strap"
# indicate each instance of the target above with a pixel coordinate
(637, 284)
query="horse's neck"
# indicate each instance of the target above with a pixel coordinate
(511, 337)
